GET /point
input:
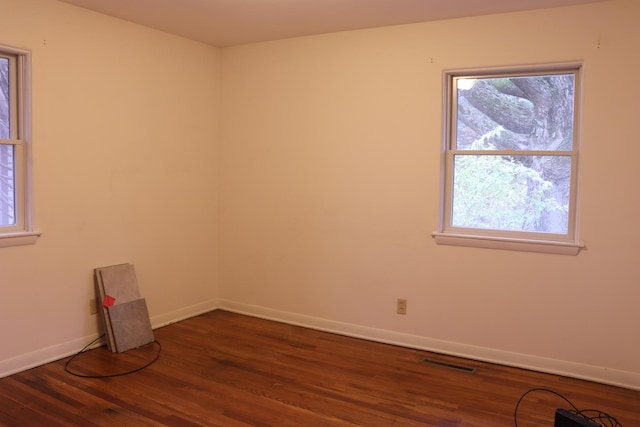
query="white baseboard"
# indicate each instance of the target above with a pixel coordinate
(43, 356)
(60, 351)
(183, 313)
(619, 378)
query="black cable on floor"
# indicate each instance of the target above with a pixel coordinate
(118, 374)
(600, 417)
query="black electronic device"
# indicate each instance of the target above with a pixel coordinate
(565, 418)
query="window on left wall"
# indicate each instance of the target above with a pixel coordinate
(16, 222)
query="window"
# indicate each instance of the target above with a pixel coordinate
(510, 159)
(15, 218)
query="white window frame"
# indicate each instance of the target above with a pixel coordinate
(447, 234)
(22, 232)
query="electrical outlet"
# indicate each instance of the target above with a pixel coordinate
(401, 306)
(93, 306)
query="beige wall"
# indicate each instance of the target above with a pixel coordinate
(322, 183)
(124, 151)
(330, 167)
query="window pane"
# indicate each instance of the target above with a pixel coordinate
(7, 186)
(4, 99)
(533, 113)
(515, 193)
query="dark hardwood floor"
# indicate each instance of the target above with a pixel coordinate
(225, 369)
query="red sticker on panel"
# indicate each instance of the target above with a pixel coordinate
(108, 301)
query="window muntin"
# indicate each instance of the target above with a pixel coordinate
(510, 159)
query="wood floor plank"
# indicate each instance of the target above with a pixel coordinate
(229, 370)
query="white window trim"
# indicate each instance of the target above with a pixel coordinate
(19, 238)
(513, 244)
(24, 233)
(493, 239)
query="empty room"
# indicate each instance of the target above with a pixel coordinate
(339, 212)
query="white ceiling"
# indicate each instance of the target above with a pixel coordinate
(233, 22)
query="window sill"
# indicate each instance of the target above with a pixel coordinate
(19, 238)
(512, 244)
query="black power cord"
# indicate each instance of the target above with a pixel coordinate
(599, 417)
(118, 374)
